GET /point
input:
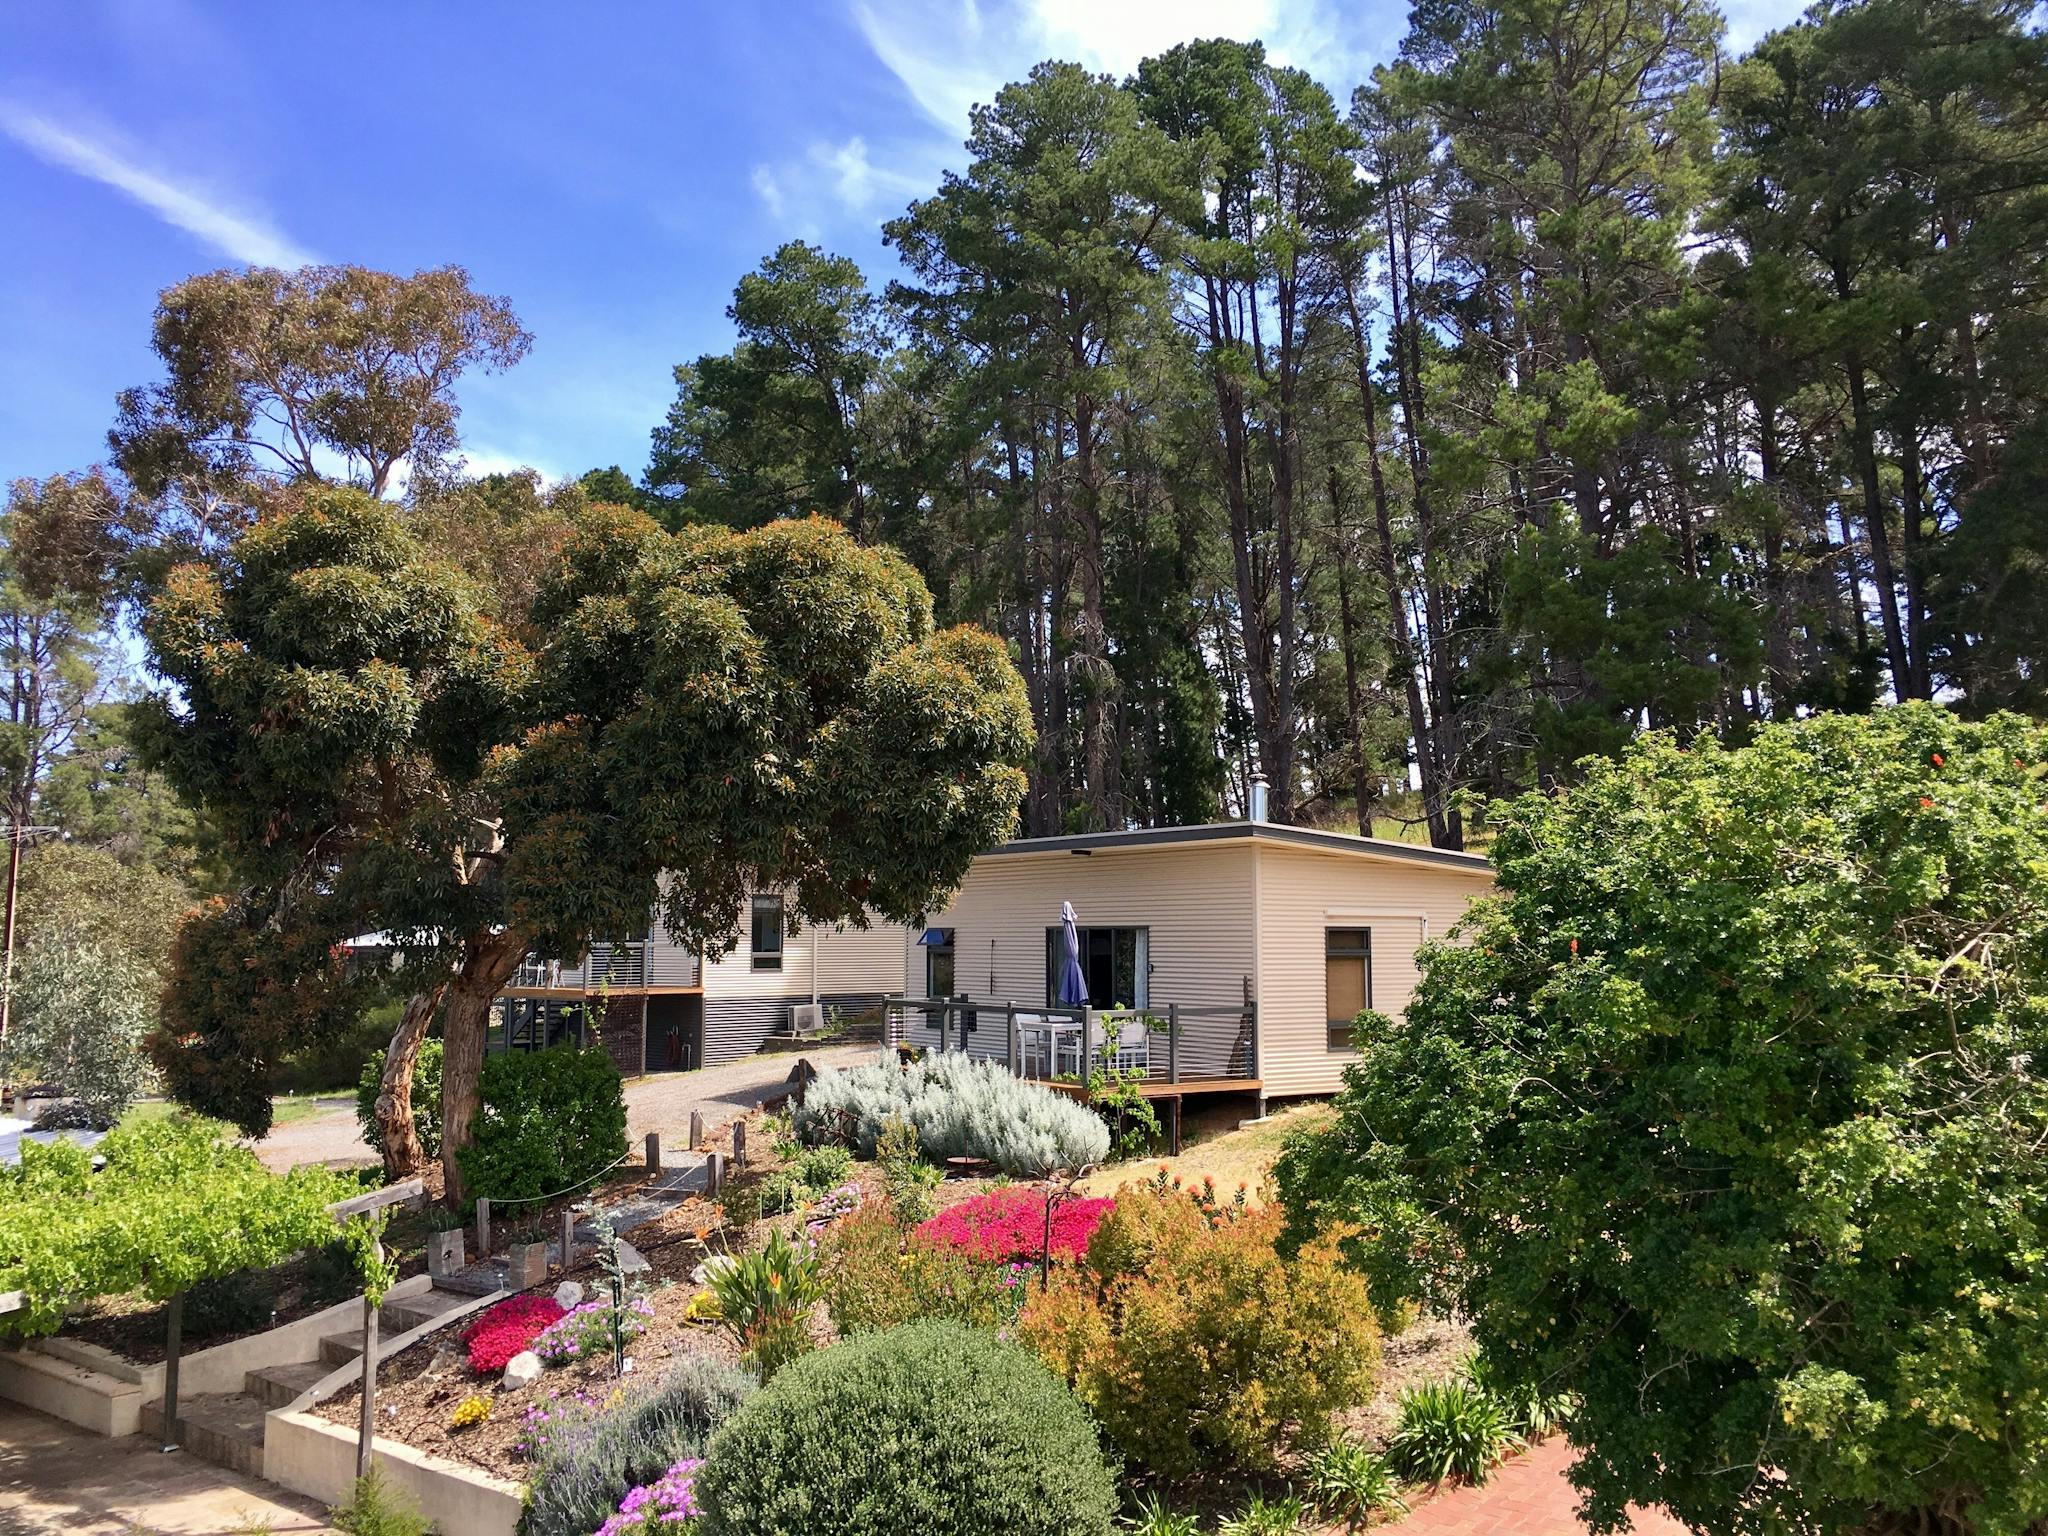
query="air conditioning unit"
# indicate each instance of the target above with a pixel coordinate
(806, 1018)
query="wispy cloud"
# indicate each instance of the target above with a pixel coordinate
(236, 233)
(769, 190)
(950, 54)
(858, 182)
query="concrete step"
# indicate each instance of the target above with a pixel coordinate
(225, 1428)
(402, 1314)
(276, 1385)
(340, 1348)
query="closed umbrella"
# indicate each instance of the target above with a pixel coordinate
(1073, 986)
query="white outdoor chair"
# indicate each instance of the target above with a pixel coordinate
(1133, 1044)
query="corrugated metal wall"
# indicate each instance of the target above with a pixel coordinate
(735, 1026)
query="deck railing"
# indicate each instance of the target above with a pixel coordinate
(633, 964)
(1170, 1044)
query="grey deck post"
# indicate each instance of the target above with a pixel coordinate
(1173, 1055)
(176, 1325)
(1010, 1040)
(1087, 1041)
(366, 1430)
(654, 1152)
(483, 1227)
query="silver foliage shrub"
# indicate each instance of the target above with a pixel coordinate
(961, 1107)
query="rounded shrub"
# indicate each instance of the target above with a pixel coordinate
(934, 1427)
(551, 1120)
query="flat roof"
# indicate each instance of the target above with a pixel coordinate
(1244, 831)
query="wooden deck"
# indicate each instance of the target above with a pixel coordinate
(1160, 1088)
(584, 994)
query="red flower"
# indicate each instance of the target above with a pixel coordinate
(1575, 946)
(506, 1329)
(1937, 759)
(1009, 1224)
(1926, 804)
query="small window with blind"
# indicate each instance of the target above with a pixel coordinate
(768, 930)
(1347, 981)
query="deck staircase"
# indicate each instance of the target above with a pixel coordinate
(226, 1428)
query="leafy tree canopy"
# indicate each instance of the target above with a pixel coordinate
(1727, 1115)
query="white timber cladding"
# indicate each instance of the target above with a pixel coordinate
(1195, 899)
(1303, 892)
(840, 958)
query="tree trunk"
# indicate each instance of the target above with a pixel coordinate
(488, 961)
(403, 1154)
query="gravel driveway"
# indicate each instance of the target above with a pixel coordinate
(659, 1102)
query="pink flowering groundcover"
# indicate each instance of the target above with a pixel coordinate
(1009, 1224)
(506, 1329)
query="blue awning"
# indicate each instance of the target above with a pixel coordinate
(937, 938)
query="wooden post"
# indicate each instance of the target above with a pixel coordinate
(176, 1314)
(483, 1228)
(1173, 1126)
(653, 1152)
(366, 1431)
(1173, 1046)
(568, 1239)
(739, 1143)
(714, 1174)
(696, 1129)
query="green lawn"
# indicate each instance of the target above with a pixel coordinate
(285, 1109)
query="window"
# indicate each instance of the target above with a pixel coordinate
(767, 933)
(938, 968)
(1117, 963)
(1347, 980)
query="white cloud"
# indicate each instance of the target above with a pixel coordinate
(858, 182)
(241, 235)
(949, 55)
(769, 190)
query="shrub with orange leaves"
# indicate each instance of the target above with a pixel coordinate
(1195, 1342)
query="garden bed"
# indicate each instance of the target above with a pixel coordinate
(419, 1389)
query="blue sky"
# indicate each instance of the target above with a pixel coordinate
(611, 168)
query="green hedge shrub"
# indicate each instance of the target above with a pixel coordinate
(934, 1427)
(961, 1107)
(426, 1098)
(551, 1120)
(1727, 1115)
(587, 1468)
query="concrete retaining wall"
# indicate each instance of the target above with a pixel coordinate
(96, 1389)
(313, 1457)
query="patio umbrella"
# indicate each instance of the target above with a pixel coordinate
(1073, 986)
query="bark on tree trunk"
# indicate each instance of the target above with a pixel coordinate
(403, 1154)
(488, 961)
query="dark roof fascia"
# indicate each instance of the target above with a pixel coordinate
(1242, 832)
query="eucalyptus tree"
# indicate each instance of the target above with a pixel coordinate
(273, 378)
(679, 719)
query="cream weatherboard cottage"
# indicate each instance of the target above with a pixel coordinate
(1259, 942)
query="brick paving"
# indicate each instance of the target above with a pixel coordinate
(1527, 1496)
